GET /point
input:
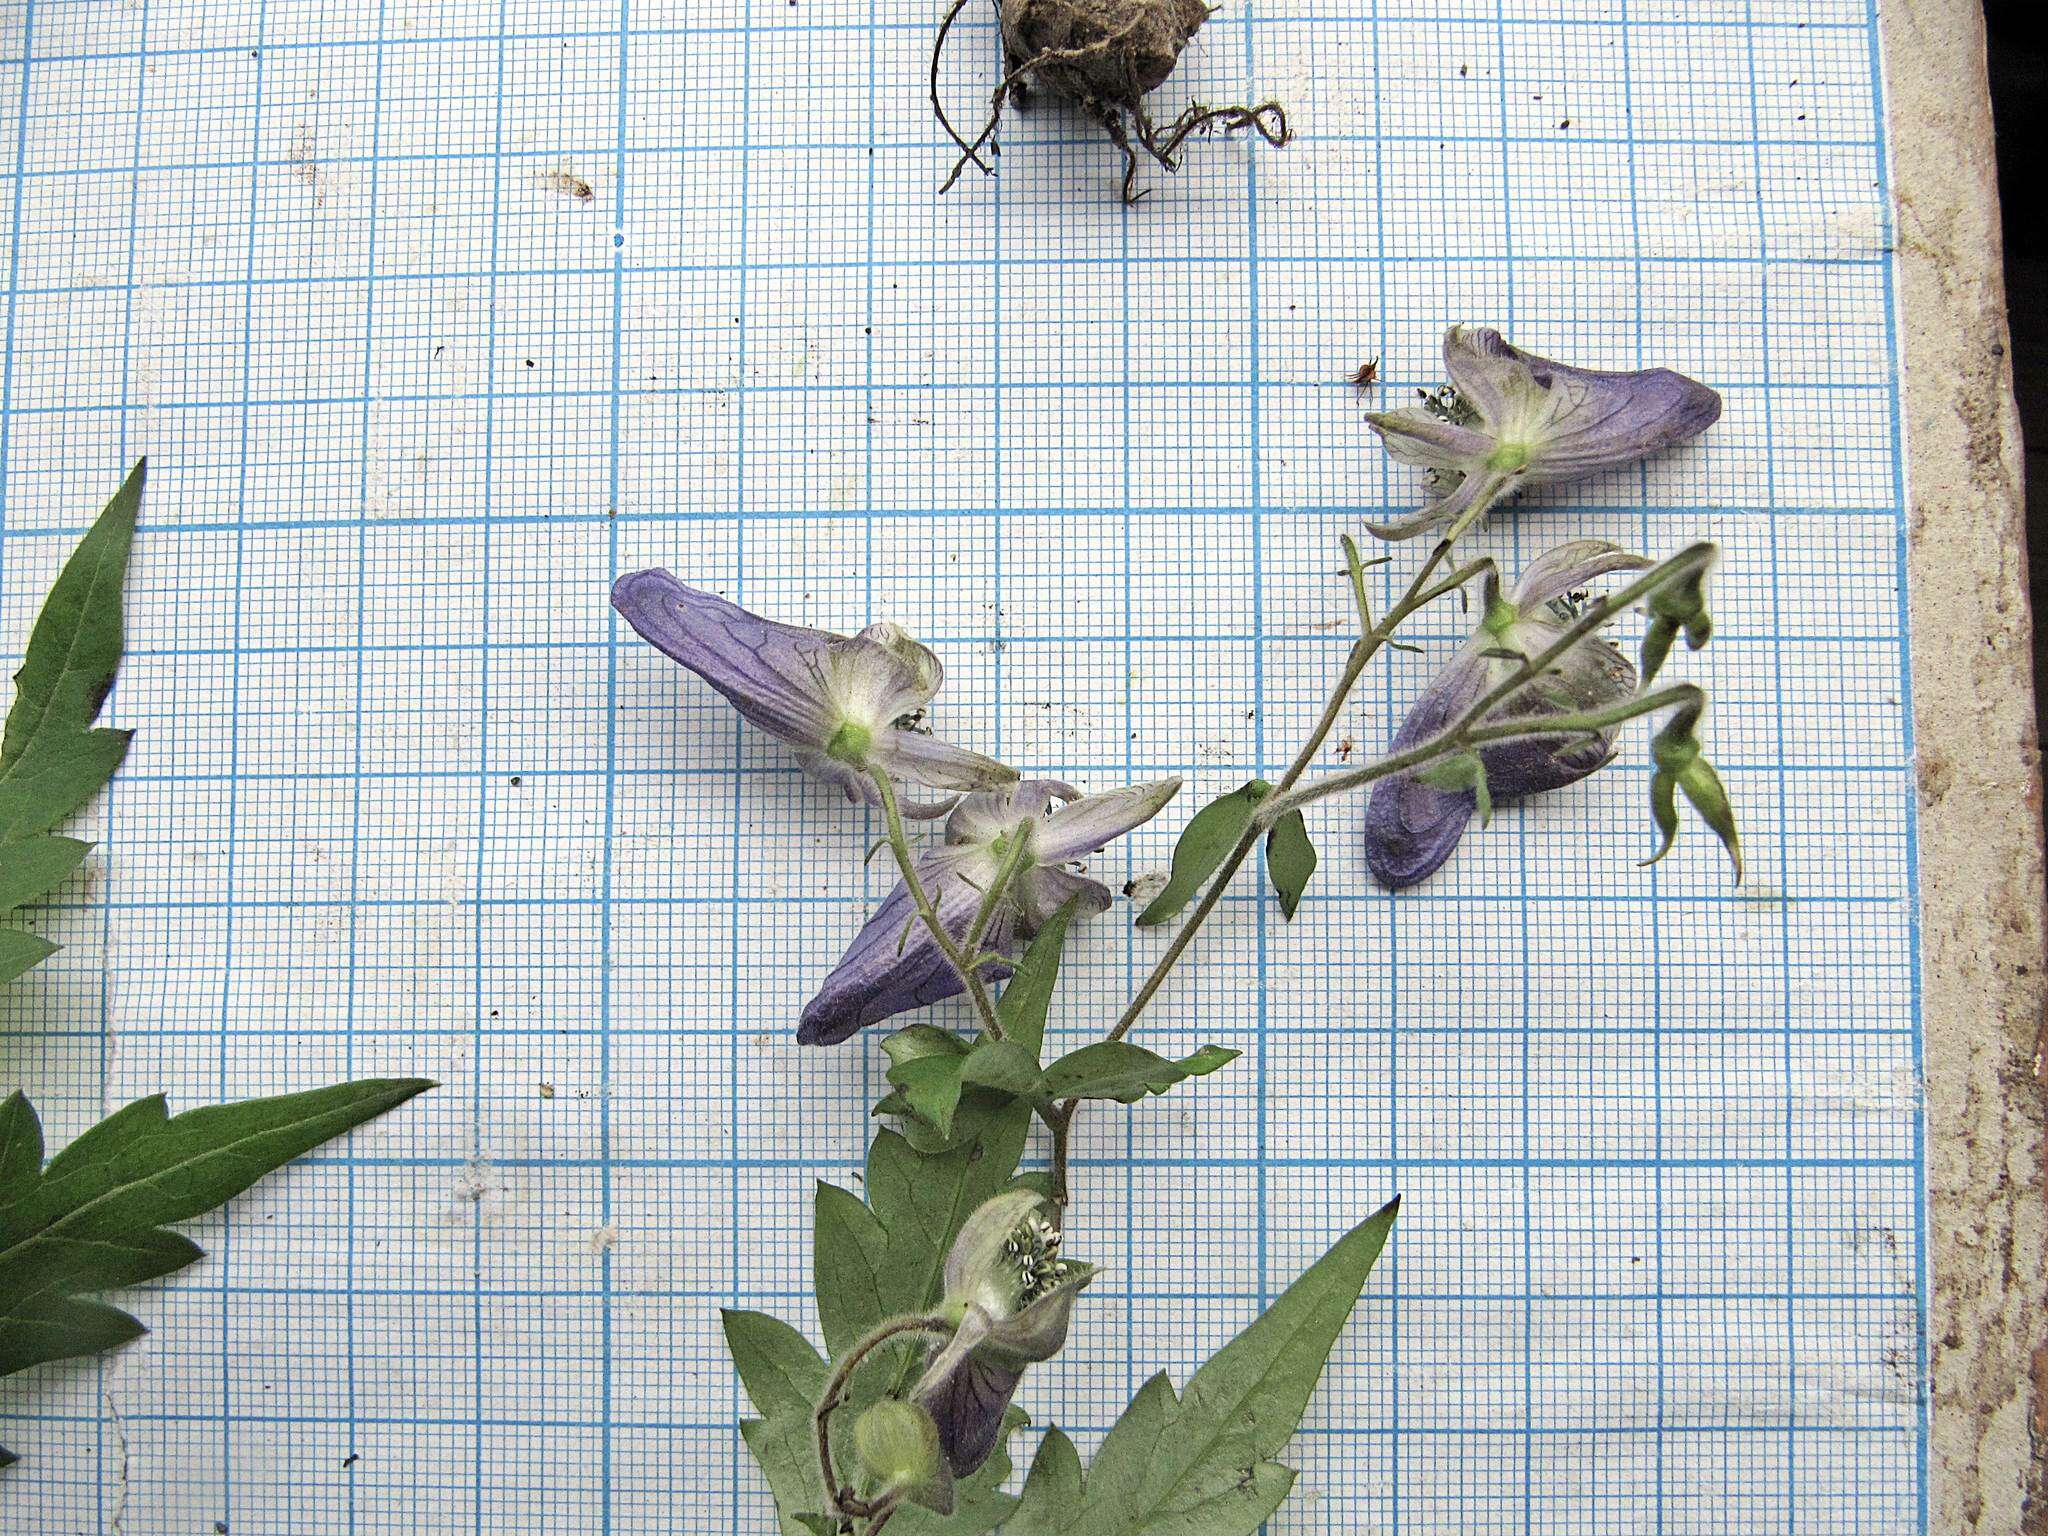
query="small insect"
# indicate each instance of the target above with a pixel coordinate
(1104, 56)
(1368, 375)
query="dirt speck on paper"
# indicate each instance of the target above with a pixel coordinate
(569, 184)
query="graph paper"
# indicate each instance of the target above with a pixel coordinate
(432, 319)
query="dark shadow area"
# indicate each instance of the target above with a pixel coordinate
(2019, 106)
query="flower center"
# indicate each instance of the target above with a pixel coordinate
(1508, 458)
(851, 743)
(1034, 1249)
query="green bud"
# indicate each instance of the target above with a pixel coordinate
(898, 1446)
(1682, 768)
(1678, 607)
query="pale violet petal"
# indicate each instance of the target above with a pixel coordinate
(1074, 831)
(1416, 436)
(1571, 565)
(769, 672)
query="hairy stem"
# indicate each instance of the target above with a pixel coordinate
(899, 844)
(841, 1498)
(1014, 859)
(1419, 592)
(1466, 732)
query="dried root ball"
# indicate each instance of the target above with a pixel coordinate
(1098, 51)
(1105, 56)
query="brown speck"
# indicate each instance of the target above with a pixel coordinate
(1345, 748)
(547, 1090)
(1464, 70)
(569, 186)
(1566, 123)
(1368, 375)
(353, 1458)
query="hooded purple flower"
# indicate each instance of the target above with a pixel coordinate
(894, 964)
(1511, 419)
(840, 700)
(1411, 827)
(1013, 1295)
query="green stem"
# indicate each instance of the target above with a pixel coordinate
(1465, 732)
(1368, 645)
(1014, 859)
(899, 844)
(839, 1497)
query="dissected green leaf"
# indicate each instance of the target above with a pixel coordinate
(96, 1216)
(1204, 844)
(1290, 861)
(877, 1258)
(1116, 1069)
(931, 1069)
(36, 866)
(75, 647)
(924, 1068)
(51, 762)
(1202, 1464)
(1004, 1066)
(777, 1365)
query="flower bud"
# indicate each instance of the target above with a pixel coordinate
(898, 1446)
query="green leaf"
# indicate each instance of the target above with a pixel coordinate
(1204, 844)
(777, 1365)
(1053, 1490)
(19, 951)
(1028, 993)
(1202, 1464)
(35, 866)
(75, 646)
(1290, 861)
(1005, 1066)
(51, 764)
(94, 1218)
(924, 1068)
(784, 1378)
(1116, 1069)
(877, 1258)
(56, 778)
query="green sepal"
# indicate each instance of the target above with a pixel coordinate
(1678, 607)
(1682, 767)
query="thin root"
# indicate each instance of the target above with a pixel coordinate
(1269, 119)
(1113, 122)
(939, 107)
(1013, 81)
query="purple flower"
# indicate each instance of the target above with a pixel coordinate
(1510, 419)
(841, 700)
(894, 964)
(1410, 826)
(1013, 1296)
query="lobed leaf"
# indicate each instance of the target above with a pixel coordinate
(94, 1217)
(1201, 1464)
(1116, 1069)
(51, 762)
